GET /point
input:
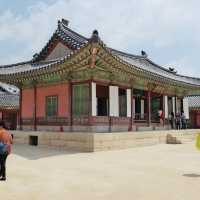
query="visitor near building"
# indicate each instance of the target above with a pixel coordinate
(5, 149)
(178, 121)
(183, 120)
(171, 120)
(161, 116)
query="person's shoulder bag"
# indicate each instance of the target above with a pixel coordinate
(3, 148)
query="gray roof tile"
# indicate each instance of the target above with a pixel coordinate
(9, 101)
(194, 101)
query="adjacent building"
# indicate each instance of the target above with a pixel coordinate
(9, 105)
(194, 110)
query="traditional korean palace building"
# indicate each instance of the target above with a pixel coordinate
(79, 84)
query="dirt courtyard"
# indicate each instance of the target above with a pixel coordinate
(146, 173)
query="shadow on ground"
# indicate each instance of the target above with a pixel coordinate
(35, 152)
(192, 175)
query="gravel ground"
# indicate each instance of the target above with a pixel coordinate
(147, 173)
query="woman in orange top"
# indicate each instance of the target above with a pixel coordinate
(5, 138)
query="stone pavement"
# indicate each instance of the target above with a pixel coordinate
(157, 172)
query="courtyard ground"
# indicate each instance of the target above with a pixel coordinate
(146, 173)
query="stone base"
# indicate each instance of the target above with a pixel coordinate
(90, 142)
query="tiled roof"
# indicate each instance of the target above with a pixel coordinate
(143, 63)
(24, 67)
(9, 101)
(194, 102)
(9, 96)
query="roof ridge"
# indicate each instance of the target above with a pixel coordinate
(66, 27)
(126, 54)
(161, 67)
(196, 78)
(63, 32)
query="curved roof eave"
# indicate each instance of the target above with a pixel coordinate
(110, 50)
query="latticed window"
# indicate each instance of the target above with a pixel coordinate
(81, 100)
(51, 106)
(155, 107)
(122, 103)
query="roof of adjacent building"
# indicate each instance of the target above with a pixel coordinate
(194, 102)
(76, 42)
(9, 96)
(9, 101)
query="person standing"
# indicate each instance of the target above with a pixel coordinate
(5, 149)
(171, 120)
(178, 121)
(183, 120)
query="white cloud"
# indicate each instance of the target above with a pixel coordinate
(183, 66)
(122, 24)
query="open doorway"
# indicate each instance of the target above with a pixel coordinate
(102, 95)
(122, 103)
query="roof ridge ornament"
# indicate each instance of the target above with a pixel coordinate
(172, 70)
(59, 23)
(144, 54)
(95, 36)
(65, 22)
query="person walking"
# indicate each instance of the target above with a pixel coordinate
(5, 149)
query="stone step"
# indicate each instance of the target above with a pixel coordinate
(144, 128)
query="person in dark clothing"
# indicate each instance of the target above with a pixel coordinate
(171, 120)
(178, 121)
(5, 149)
(3, 158)
(183, 120)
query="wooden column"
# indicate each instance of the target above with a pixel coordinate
(163, 108)
(182, 104)
(149, 106)
(35, 106)
(90, 104)
(93, 99)
(70, 105)
(175, 105)
(131, 122)
(109, 117)
(20, 108)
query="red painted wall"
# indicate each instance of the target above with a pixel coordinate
(62, 91)
(197, 119)
(27, 103)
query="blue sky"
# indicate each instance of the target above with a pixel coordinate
(167, 30)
